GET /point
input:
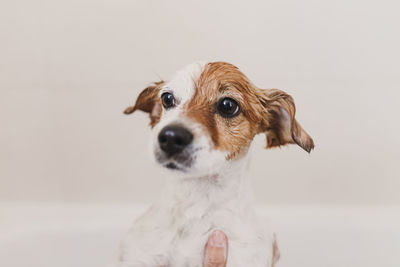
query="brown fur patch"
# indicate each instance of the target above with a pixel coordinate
(148, 101)
(261, 111)
(278, 133)
(269, 111)
(218, 80)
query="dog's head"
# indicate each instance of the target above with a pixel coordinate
(206, 116)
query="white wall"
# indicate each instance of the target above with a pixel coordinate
(69, 68)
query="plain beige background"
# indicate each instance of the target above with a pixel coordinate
(69, 68)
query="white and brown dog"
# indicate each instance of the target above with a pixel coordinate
(204, 121)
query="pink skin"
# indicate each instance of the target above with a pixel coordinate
(216, 250)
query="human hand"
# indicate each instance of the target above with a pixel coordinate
(216, 250)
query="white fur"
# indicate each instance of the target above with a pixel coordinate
(213, 194)
(182, 82)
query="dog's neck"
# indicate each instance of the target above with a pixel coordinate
(229, 188)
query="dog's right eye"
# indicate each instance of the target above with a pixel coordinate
(168, 100)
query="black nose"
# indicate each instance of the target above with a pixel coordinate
(173, 139)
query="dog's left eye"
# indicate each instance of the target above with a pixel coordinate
(228, 107)
(168, 100)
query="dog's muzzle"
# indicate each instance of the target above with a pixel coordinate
(173, 139)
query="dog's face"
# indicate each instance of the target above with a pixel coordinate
(206, 116)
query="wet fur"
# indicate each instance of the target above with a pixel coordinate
(211, 190)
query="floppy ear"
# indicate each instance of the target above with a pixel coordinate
(279, 123)
(149, 102)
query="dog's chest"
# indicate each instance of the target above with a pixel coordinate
(192, 227)
(175, 231)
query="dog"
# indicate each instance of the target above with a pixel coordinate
(203, 121)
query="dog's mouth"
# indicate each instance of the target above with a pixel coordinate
(172, 166)
(179, 162)
(175, 166)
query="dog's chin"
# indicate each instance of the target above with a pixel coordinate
(182, 162)
(176, 164)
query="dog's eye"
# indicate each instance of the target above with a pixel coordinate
(168, 100)
(228, 107)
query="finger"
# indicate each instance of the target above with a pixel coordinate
(275, 252)
(216, 250)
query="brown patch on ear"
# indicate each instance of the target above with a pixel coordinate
(279, 121)
(148, 101)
